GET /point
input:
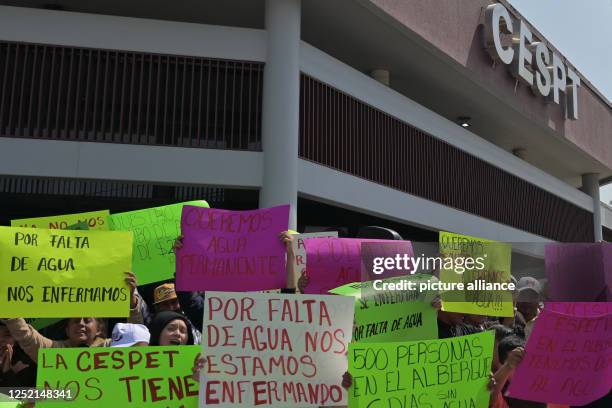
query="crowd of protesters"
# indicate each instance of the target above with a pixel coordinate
(161, 316)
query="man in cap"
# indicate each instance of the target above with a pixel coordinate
(528, 298)
(165, 299)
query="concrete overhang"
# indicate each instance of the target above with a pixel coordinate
(434, 53)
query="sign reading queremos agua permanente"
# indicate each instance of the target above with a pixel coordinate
(529, 60)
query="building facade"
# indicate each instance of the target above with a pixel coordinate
(356, 112)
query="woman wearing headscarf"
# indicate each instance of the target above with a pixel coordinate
(170, 328)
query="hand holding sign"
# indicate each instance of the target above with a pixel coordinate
(155, 231)
(61, 273)
(333, 262)
(231, 250)
(121, 376)
(452, 372)
(275, 350)
(566, 360)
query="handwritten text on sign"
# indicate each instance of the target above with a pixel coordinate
(232, 250)
(94, 220)
(435, 373)
(275, 350)
(299, 248)
(61, 273)
(155, 231)
(580, 309)
(567, 360)
(121, 377)
(496, 257)
(333, 262)
(392, 315)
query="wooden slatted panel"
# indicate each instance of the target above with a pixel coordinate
(385, 150)
(70, 93)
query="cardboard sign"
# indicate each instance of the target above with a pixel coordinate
(567, 360)
(232, 250)
(495, 258)
(594, 263)
(333, 262)
(580, 309)
(275, 350)
(79, 226)
(155, 232)
(96, 220)
(607, 261)
(299, 248)
(452, 372)
(120, 376)
(392, 315)
(62, 273)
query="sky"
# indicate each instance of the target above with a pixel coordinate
(582, 31)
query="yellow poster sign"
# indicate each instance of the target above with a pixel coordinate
(96, 220)
(63, 273)
(480, 265)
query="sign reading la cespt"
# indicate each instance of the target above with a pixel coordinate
(529, 59)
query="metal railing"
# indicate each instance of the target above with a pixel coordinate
(344, 133)
(69, 93)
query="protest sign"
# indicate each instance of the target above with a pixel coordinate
(333, 262)
(232, 250)
(567, 360)
(8, 402)
(593, 262)
(155, 231)
(476, 263)
(392, 315)
(447, 373)
(299, 247)
(275, 350)
(607, 260)
(120, 376)
(580, 309)
(62, 273)
(96, 220)
(79, 226)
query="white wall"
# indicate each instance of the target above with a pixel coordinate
(109, 161)
(130, 34)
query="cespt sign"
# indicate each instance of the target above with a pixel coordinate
(530, 60)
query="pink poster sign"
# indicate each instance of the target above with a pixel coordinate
(567, 360)
(232, 251)
(578, 272)
(334, 262)
(580, 309)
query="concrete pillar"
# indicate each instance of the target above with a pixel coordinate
(590, 185)
(280, 113)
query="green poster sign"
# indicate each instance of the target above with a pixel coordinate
(155, 231)
(120, 376)
(393, 314)
(491, 264)
(444, 373)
